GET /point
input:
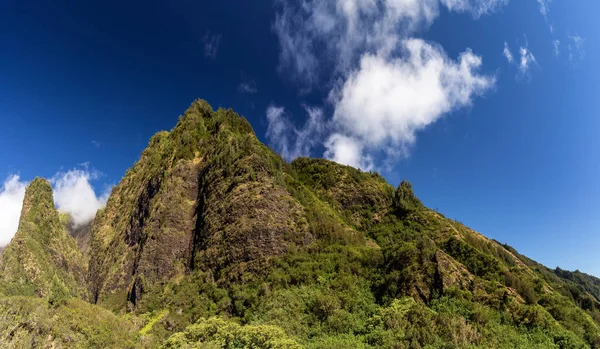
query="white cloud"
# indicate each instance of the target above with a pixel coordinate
(476, 7)
(288, 140)
(211, 44)
(526, 61)
(72, 191)
(317, 36)
(544, 7)
(383, 85)
(556, 44)
(74, 194)
(507, 54)
(11, 202)
(348, 151)
(577, 46)
(248, 87)
(386, 101)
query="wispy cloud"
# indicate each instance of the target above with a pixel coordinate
(11, 202)
(544, 7)
(384, 86)
(507, 54)
(322, 38)
(211, 45)
(575, 47)
(288, 140)
(96, 144)
(248, 87)
(526, 61)
(556, 44)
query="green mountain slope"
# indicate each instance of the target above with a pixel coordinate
(205, 194)
(41, 249)
(212, 240)
(27, 322)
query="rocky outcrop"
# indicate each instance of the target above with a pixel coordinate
(41, 249)
(206, 195)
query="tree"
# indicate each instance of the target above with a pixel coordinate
(405, 200)
(59, 294)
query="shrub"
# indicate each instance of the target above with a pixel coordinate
(59, 294)
(219, 333)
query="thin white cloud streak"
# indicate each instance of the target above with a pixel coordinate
(576, 45)
(507, 54)
(211, 45)
(544, 8)
(556, 45)
(11, 202)
(526, 61)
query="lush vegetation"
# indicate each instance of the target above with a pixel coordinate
(41, 250)
(213, 241)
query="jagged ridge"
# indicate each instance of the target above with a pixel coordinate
(210, 225)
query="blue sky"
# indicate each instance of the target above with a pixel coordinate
(420, 90)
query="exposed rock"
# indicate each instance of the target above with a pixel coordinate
(205, 195)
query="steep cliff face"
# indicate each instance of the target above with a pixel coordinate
(41, 249)
(206, 195)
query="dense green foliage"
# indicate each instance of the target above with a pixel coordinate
(218, 333)
(405, 200)
(27, 322)
(59, 294)
(213, 241)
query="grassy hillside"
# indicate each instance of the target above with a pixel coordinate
(27, 322)
(212, 241)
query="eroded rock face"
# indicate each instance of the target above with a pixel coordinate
(205, 196)
(41, 248)
(246, 219)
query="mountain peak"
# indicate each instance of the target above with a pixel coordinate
(38, 195)
(41, 248)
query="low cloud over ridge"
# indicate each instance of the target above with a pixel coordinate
(73, 194)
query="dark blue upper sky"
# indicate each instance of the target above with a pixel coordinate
(91, 82)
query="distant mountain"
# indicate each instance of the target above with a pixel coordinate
(41, 249)
(212, 240)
